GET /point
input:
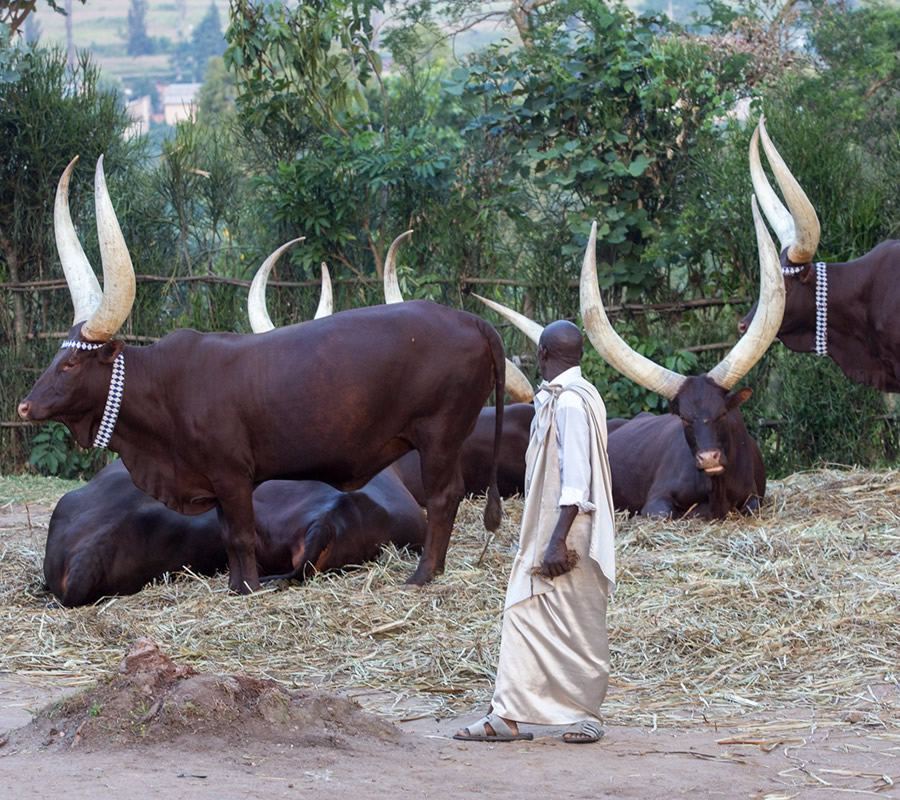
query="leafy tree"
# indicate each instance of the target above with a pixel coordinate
(359, 158)
(138, 42)
(600, 116)
(217, 94)
(47, 117)
(207, 39)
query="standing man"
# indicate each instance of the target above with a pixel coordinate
(554, 651)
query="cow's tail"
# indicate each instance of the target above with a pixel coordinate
(493, 510)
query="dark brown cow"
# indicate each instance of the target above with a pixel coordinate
(698, 459)
(477, 449)
(204, 417)
(476, 453)
(110, 538)
(846, 310)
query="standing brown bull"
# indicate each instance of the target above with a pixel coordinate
(204, 417)
(848, 310)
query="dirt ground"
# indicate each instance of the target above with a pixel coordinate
(229, 737)
(157, 729)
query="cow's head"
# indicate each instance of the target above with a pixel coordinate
(74, 387)
(798, 230)
(703, 402)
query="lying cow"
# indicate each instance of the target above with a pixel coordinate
(476, 453)
(110, 538)
(699, 459)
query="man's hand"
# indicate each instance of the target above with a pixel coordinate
(557, 559)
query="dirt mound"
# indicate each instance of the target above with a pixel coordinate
(152, 700)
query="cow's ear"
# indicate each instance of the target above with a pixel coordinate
(111, 350)
(806, 274)
(673, 406)
(734, 399)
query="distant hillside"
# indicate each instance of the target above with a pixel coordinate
(101, 26)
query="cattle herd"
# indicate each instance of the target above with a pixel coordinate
(290, 451)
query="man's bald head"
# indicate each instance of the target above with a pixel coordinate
(561, 347)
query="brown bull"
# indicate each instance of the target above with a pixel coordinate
(699, 459)
(848, 310)
(110, 538)
(204, 417)
(475, 456)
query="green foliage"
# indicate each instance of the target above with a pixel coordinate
(52, 454)
(207, 38)
(306, 63)
(217, 94)
(601, 116)
(808, 414)
(623, 397)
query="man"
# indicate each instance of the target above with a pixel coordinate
(554, 651)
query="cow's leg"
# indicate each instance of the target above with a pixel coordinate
(444, 490)
(235, 512)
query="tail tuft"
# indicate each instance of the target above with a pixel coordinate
(493, 511)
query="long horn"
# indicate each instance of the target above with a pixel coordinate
(776, 212)
(517, 384)
(118, 273)
(83, 284)
(391, 283)
(260, 321)
(766, 320)
(611, 347)
(326, 300)
(529, 327)
(806, 223)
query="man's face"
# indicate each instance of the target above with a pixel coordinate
(543, 362)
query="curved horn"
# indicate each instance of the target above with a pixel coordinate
(83, 284)
(518, 387)
(766, 320)
(611, 347)
(517, 384)
(118, 273)
(326, 300)
(529, 327)
(779, 217)
(806, 223)
(260, 322)
(391, 283)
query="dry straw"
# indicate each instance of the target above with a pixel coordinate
(796, 608)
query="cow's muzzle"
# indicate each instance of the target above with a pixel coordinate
(25, 411)
(712, 462)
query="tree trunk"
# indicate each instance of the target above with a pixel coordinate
(20, 327)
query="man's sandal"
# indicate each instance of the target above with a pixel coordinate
(477, 731)
(585, 732)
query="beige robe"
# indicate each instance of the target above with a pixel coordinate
(554, 652)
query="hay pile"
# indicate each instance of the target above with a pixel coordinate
(796, 608)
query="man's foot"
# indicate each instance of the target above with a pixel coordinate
(492, 729)
(585, 732)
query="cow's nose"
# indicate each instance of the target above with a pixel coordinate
(24, 409)
(712, 462)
